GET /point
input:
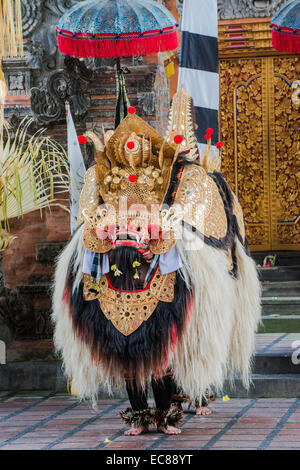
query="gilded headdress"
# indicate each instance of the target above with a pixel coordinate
(134, 164)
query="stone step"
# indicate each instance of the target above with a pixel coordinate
(281, 289)
(280, 273)
(280, 323)
(283, 305)
(48, 376)
(276, 369)
(267, 386)
(284, 258)
(277, 363)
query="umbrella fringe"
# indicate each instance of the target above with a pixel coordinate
(106, 48)
(284, 41)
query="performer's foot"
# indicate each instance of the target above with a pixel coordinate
(136, 431)
(203, 410)
(169, 430)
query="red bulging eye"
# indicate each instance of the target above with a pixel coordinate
(219, 145)
(209, 131)
(131, 110)
(178, 139)
(132, 178)
(130, 145)
(82, 139)
(207, 137)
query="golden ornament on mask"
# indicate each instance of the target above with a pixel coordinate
(141, 179)
(150, 182)
(116, 180)
(108, 179)
(115, 170)
(148, 170)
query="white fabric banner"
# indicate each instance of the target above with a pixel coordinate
(77, 168)
(199, 64)
(200, 17)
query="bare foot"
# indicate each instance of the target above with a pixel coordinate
(169, 430)
(136, 431)
(203, 410)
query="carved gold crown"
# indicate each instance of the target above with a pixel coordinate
(135, 162)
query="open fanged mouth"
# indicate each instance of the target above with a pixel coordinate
(126, 237)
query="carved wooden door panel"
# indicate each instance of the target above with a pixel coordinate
(260, 128)
(285, 154)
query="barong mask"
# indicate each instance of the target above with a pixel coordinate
(134, 173)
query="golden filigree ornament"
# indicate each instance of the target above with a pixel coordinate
(181, 123)
(128, 310)
(201, 204)
(95, 237)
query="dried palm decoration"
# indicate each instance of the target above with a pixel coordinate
(11, 42)
(3, 94)
(33, 174)
(11, 38)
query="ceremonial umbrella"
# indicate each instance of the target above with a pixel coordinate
(115, 29)
(286, 27)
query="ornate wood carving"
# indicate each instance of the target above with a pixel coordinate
(285, 150)
(259, 125)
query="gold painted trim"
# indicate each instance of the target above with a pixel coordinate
(266, 147)
(272, 153)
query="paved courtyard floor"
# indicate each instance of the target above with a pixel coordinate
(43, 422)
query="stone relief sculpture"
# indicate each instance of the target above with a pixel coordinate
(247, 8)
(228, 9)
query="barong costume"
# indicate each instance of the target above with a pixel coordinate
(190, 316)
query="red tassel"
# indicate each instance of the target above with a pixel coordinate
(66, 295)
(173, 337)
(66, 301)
(189, 312)
(107, 48)
(286, 42)
(166, 358)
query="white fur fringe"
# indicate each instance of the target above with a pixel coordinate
(220, 337)
(78, 365)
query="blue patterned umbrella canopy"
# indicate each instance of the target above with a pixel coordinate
(116, 28)
(286, 27)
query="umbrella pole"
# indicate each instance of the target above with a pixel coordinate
(122, 103)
